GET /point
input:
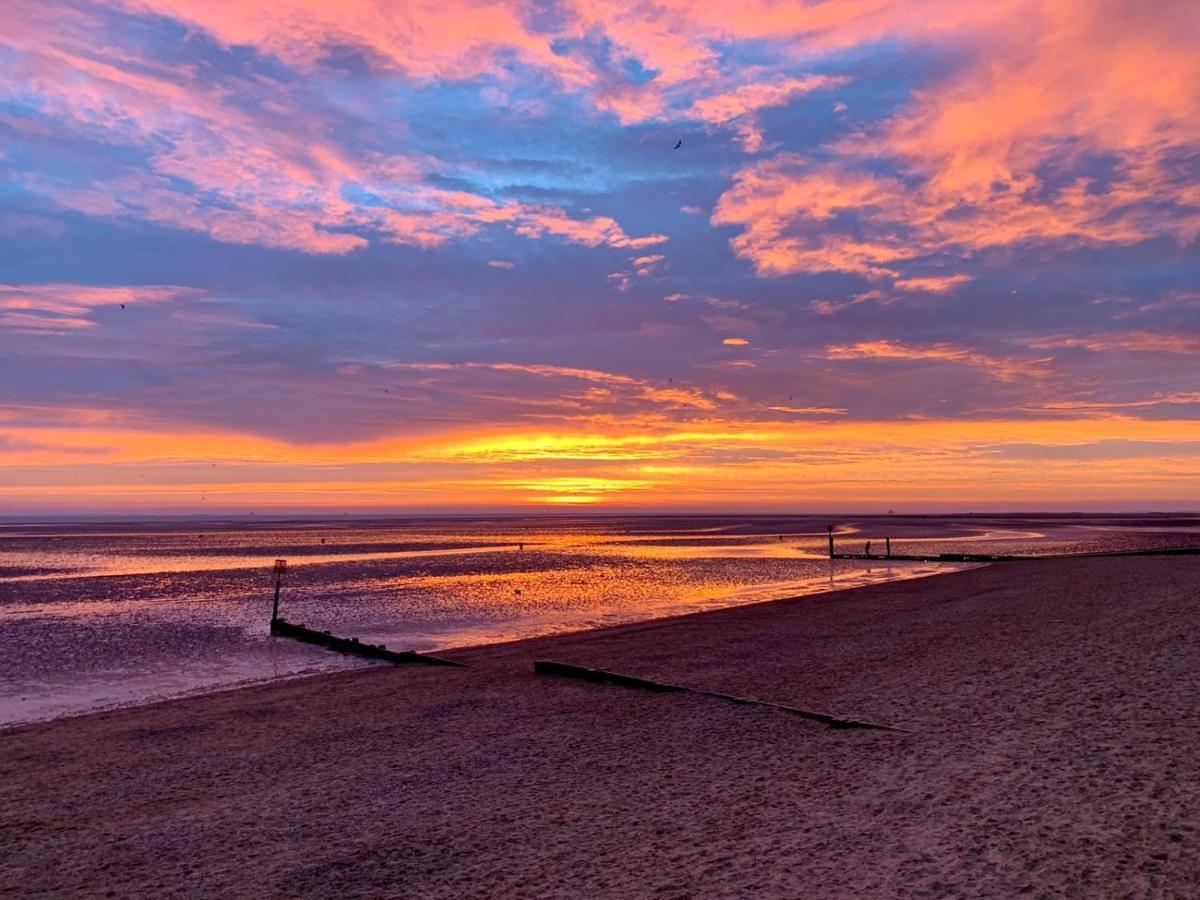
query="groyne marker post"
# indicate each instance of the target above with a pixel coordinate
(829, 528)
(889, 547)
(280, 569)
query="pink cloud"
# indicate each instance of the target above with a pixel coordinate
(996, 155)
(992, 155)
(60, 308)
(233, 170)
(591, 232)
(739, 106)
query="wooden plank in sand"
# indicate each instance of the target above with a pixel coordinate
(352, 646)
(549, 667)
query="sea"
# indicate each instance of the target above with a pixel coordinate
(99, 614)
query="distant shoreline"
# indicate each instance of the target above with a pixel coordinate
(275, 517)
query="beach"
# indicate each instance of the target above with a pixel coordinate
(105, 614)
(1052, 708)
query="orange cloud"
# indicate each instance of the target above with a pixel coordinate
(997, 155)
(617, 388)
(1000, 368)
(937, 284)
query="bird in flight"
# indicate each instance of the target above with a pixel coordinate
(679, 143)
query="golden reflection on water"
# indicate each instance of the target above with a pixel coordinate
(90, 617)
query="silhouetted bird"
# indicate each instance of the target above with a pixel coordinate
(679, 143)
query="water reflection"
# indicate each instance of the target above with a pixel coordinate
(117, 614)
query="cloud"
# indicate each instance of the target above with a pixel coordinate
(590, 232)
(603, 388)
(1124, 342)
(261, 157)
(935, 284)
(810, 410)
(789, 210)
(1002, 369)
(1002, 153)
(739, 106)
(63, 308)
(644, 265)
(998, 153)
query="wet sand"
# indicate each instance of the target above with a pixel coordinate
(1054, 704)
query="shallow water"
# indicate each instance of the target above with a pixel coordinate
(100, 615)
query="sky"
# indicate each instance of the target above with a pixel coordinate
(451, 256)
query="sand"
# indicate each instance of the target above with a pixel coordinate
(1055, 705)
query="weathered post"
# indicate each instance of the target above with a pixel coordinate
(829, 528)
(889, 547)
(280, 568)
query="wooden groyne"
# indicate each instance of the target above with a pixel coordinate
(992, 558)
(351, 646)
(549, 667)
(888, 555)
(354, 647)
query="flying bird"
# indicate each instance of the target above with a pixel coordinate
(679, 143)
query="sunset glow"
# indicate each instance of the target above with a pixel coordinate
(491, 256)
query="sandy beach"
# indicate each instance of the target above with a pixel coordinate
(1053, 707)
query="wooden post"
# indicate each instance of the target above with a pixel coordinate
(889, 547)
(280, 568)
(829, 528)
